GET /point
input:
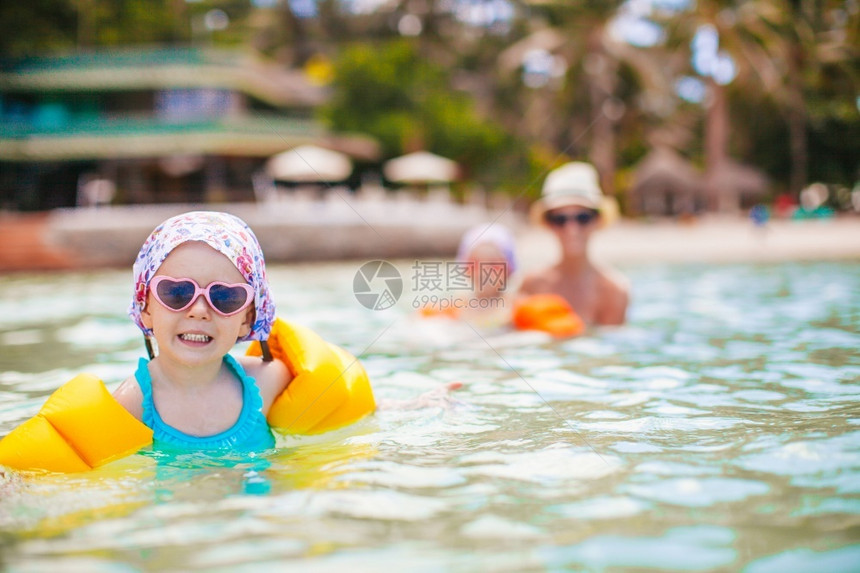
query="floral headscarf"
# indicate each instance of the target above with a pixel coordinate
(225, 233)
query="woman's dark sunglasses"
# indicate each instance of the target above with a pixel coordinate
(179, 294)
(582, 218)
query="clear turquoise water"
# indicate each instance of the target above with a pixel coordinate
(720, 430)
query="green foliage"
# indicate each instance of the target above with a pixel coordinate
(33, 27)
(371, 81)
(39, 27)
(834, 151)
(405, 101)
(765, 143)
(399, 91)
(117, 23)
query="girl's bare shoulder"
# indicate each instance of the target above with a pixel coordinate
(129, 395)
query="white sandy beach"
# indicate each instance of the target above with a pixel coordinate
(111, 237)
(710, 240)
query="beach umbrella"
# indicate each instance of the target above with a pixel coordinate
(309, 163)
(421, 167)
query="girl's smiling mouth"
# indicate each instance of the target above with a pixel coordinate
(192, 337)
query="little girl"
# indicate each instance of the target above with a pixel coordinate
(200, 287)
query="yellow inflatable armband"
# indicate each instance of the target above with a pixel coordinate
(329, 389)
(80, 427)
(548, 313)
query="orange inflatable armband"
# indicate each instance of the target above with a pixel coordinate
(549, 313)
(431, 312)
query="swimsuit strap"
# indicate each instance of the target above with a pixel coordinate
(144, 380)
(250, 431)
(252, 400)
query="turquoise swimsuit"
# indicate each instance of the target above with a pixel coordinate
(250, 432)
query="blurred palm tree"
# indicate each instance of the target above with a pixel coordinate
(729, 42)
(821, 42)
(774, 47)
(604, 74)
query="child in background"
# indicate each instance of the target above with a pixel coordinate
(487, 254)
(492, 246)
(490, 255)
(486, 258)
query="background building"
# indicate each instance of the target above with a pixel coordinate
(159, 125)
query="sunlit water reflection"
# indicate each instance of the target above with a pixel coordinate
(719, 430)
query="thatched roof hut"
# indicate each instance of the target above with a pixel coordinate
(665, 183)
(736, 185)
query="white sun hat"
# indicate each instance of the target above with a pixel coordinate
(574, 183)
